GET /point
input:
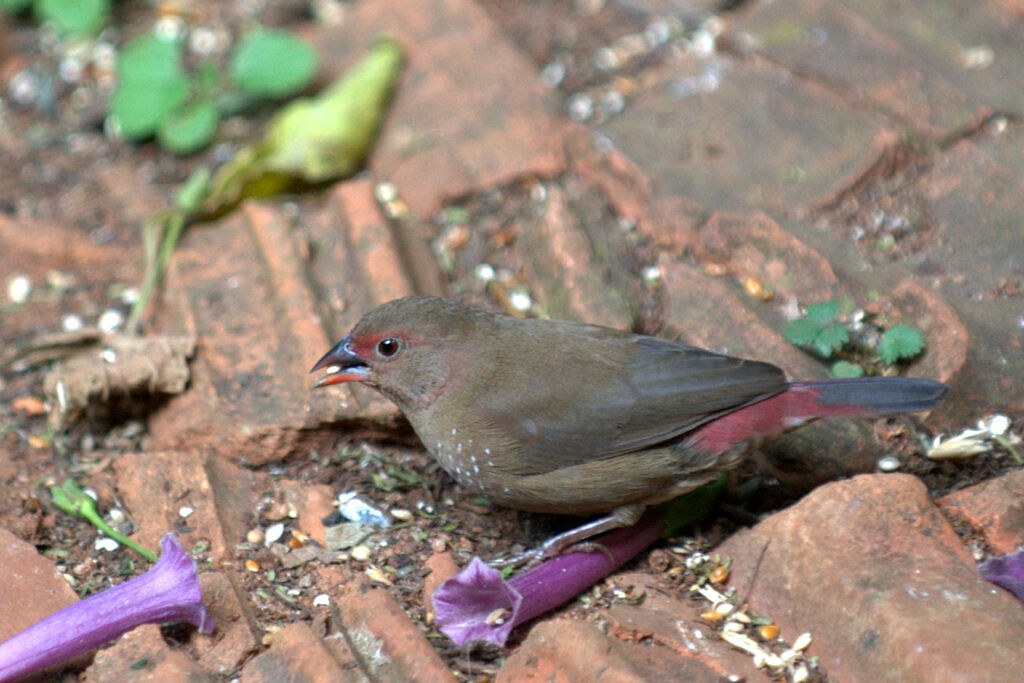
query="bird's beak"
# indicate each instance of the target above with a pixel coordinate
(342, 366)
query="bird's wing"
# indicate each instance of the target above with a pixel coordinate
(650, 393)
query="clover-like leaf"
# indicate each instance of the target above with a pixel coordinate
(900, 342)
(151, 86)
(831, 339)
(847, 370)
(802, 331)
(190, 129)
(74, 17)
(13, 6)
(822, 312)
(271, 63)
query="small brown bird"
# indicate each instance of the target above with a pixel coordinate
(553, 416)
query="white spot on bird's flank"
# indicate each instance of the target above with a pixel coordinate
(487, 451)
(530, 426)
(490, 463)
(458, 448)
(791, 422)
(505, 488)
(476, 469)
(472, 458)
(453, 431)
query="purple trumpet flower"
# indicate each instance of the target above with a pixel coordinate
(478, 604)
(167, 592)
(1006, 571)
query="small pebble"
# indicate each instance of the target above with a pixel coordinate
(361, 553)
(185, 511)
(888, 463)
(438, 545)
(322, 600)
(255, 536)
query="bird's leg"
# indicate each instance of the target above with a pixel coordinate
(577, 537)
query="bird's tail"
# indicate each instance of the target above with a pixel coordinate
(873, 395)
(806, 401)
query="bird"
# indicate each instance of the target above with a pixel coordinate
(569, 418)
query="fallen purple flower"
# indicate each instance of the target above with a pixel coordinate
(1006, 571)
(168, 592)
(478, 604)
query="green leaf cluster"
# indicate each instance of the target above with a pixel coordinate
(71, 17)
(899, 343)
(156, 96)
(820, 331)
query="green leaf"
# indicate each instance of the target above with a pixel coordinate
(822, 312)
(313, 140)
(189, 130)
(831, 339)
(846, 369)
(12, 7)
(148, 57)
(273, 64)
(193, 192)
(151, 86)
(899, 342)
(75, 17)
(802, 331)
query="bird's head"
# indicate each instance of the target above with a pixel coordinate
(405, 348)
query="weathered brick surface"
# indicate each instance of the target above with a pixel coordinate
(895, 575)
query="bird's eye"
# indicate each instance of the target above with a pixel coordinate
(387, 347)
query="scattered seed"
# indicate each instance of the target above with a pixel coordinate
(802, 642)
(719, 574)
(254, 536)
(377, 574)
(768, 631)
(712, 615)
(401, 514)
(322, 600)
(28, 405)
(106, 543)
(361, 553)
(110, 320)
(252, 566)
(274, 533)
(497, 617)
(71, 322)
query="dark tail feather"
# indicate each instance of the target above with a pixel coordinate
(879, 394)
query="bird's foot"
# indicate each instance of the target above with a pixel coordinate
(572, 540)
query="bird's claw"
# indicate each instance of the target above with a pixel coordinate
(550, 549)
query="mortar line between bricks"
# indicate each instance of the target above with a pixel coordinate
(356, 654)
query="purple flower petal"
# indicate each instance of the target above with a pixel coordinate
(1006, 571)
(167, 592)
(478, 605)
